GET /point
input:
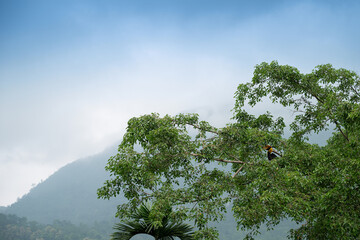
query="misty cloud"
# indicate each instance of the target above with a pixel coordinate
(68, 92)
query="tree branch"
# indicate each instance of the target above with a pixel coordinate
(218, 159)
(198, 127)
(238, 170)
(356, 92)
(332, 115)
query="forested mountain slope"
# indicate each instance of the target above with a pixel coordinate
(16, 228)
(69, 194)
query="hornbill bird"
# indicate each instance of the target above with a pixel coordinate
(271, 152)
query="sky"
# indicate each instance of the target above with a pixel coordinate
(73, 72)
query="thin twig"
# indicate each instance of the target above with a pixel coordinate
(217, 159)
(356, 92)
(198, 127)
(238, 170)
(332, 115)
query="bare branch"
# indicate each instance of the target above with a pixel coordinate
(228, 161)
(234, 157)
(218, 159)
(238, 170)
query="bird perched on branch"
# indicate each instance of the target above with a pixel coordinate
(271, 153)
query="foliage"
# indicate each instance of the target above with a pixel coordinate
(13, 227)
(183, 163)
(325, 180)
(141, 223)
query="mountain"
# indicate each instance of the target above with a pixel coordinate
(70, 194)
(2, 209)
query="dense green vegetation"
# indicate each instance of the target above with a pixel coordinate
(13, 227)
(160, 160)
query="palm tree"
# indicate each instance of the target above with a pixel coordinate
(141, 224)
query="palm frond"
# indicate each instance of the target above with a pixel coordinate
(142, 223)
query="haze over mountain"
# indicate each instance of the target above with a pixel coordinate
(70, 194)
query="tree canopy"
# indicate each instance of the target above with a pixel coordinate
(198, 170)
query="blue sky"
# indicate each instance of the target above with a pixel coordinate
(73, 72)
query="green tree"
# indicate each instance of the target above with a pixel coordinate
(142, 223)
(198, 169)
